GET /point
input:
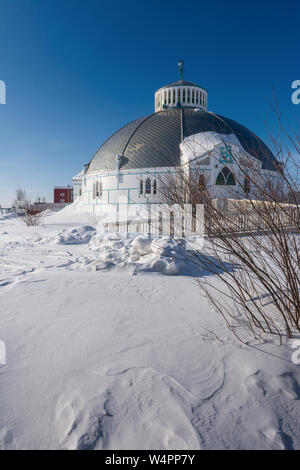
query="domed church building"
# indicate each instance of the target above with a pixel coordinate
(181, 133)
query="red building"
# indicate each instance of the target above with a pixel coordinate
(63, 194)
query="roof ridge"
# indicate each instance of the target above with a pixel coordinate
(142, 122)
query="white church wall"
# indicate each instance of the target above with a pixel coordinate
(121, 187)
(223, 154)
(76, 189)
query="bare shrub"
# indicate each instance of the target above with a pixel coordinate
(251, 241)
(32, 220)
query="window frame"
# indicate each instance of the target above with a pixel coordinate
(227, 175)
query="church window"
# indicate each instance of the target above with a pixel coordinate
(247, 185)
(160, 222)
(171, 224)
(148, 186)
(225, 177)
(202, 182)
(154, 187)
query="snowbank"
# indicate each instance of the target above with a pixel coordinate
(138, 254)
(75, 236)
(73, 214)
(6, 215)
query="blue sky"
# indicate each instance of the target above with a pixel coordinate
(77, 70)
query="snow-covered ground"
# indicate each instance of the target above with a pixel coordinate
(110, 345)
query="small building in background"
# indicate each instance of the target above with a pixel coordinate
(63, 194)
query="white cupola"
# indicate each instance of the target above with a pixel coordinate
(181, 94)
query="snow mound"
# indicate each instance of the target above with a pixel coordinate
(75, 236)
(169, 248)
(72, 214)
(139, 254)
(6, 215)
(68, 236)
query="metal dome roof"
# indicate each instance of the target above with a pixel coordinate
(153, 141)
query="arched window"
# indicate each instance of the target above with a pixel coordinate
(171, 224)
(141, 187)
(174, 96)
(197, 96)
(193, 96)
(183, 95)
(188, 95)
(202, 182)
(148, 186)
(225, 177)
(154, 187)
(247, 185)
(169, 97)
